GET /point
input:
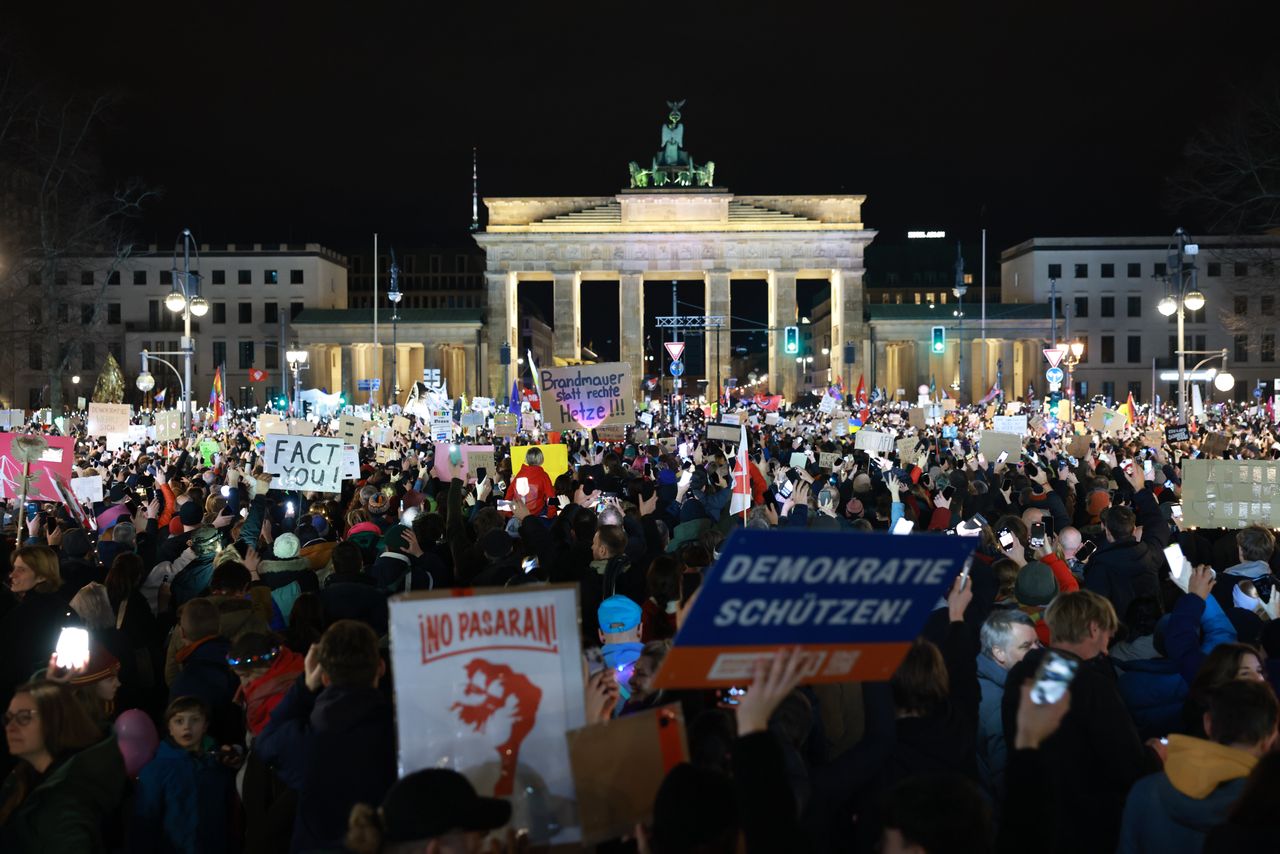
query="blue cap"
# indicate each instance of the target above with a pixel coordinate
(618, 614)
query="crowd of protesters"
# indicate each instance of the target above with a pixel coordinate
(237, 694)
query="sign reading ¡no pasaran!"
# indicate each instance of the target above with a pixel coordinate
(586, 396)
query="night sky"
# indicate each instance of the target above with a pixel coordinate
(327, 121)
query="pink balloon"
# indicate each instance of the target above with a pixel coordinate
(136, 735)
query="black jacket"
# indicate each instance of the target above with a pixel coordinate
(205, 674)
(28, 634)
(1124, 571)
(1094, 757)
(354, 596)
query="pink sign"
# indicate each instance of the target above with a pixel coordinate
(57, 460)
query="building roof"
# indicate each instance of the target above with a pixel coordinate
(1120, 244)
(407, 315)
(942, 313)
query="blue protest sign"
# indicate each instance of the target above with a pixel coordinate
(852, 601)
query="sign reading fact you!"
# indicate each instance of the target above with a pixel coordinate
(310, 463)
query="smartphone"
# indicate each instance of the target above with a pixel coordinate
(980, 519)
(1007, 483)
(1168, 484)
(72, 650)
(903, 526)
(1004, 455)
(1175, 510)
(506, 506)
(1006, 539)
(33, 509)
(948, 492)
(1147, 471)
(1053, 678)
(529, 564)
(1037, 535)
(1086, 551)
(481, 473)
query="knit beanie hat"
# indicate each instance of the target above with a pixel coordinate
(1035, 585)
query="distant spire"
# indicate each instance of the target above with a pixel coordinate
(475, 193)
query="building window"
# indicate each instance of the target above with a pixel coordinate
(1161, 269)
(1268, 305)
(1213, 269)
(295, 308)
(271, 312)
(1109, 390)
(86, 314)
(1196, 316)
(270, 354)
(1135, 389)
(244, 277)
(1082, 271)
(246, 312)
(219, 277)
(1173, 346)
(219, 312)
(1241, 270)
(1240, 304)
(35, 356)
(1268, 347)
(295, 277)
(1134, 306)
(139, 277)
(86, 277)
(219, 353)
(270, 277)
(1055, 271)
(59, 277)
(1241, 347)
(1107, 307)
(246, 355)
(166, 277)
(60, 312)
(113, 312)
(1135, 270)
(1082, 306)
(88, 356)
(1135, 348)
(1108, 349)
(113, 278)
(1107, 271)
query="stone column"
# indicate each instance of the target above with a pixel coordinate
(847, 323)
(782, 312)
(631, 324)
(500, 326)
(567, 311)
(718, 362)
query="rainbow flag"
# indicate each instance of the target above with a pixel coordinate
(215, 398)
(1130, 410)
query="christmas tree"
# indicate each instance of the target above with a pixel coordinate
(110, 386)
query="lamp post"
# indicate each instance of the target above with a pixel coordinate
(960, 289)
(1185, 298)
(146, 381)
(1074, 353)
(297, 358)
(185, 297)
(395, 296)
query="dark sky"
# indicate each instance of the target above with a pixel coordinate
(326, 121)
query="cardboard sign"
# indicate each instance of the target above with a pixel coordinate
(504, 425)
(1015, 424)
(874, 442)
(400, 425)
(444, 468)
(1214, 445)
(618, 766)
(992, 443)
(611, 433)
(724, 432)
(488, 685)
(1103, 420)
(555, 459)
(350, 462)
(906, 448)
(55, 462)
(351, 428)
(87, 490)
(300, 427)
(441, 428)
(310, 463)
(107, 418)
(481, 460)
(853, 604)
(586, 396)
(1078, 446)
(270, 424)
(1177, 433)
(916, 418)
(1230, 493)
(828, 459)
(771, 419)
(828, 404)
(1152, 439)
(385, 455)
(168, 425)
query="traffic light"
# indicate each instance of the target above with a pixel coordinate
(791, 340)
(939, 339)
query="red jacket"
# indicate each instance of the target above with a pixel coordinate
(541, 490)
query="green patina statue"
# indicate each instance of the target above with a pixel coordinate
(672, 166)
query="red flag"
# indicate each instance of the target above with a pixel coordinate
(861, 396)
(740, 501)
(257, 375)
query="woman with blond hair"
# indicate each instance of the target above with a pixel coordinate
(29, 631)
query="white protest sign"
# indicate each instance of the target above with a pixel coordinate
(441, 428)
(471, 420)
(311, 463)
(350, 462)
(88, 490)
(482, 404)
(874, 441)
(488, 685)
(828, 405)
(587, 395)
(400, 425)
(1015, 424)
(107, 418)
(267, 423)
(350, 428)
(116, 441)
(168, 425)
(137, 433)
(799, 460)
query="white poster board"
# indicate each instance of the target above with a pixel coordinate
(311, 463)
(168, 425)
(488, 685)
(350, 462)
(874, 441)
(105, 418)
(88, 490)
(1015, 424)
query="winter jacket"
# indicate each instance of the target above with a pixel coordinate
(193, 580)
(28, 634)
(265, 692)
(1250, 569)
(313, 739)
(205, 674)
(1123, 571)
(1172, 812)
(288, 579)
(65, 811)
(76, 573)
(182, 804)
(394, 572)
(1183, 639)
(992, 750)
(354, 596)
(237, 616)
(541, 490)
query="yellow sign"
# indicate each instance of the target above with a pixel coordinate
(555, 459)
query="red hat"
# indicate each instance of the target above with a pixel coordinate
(101, 665)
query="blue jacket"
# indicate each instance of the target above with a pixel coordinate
(182, 803)
(205, 674)
(992, 751)
(1182, 636)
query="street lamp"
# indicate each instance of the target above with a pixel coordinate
(185, 297)
(1182, 295)
(146, 381)
(395, 296)
(1075, 352)
(960, 289)
(297, 358)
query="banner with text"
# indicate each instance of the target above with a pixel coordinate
(586, 396)
(309, 463)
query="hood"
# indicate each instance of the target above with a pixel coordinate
(293, 564)
(213, 648)
(990, 671)
(339, 709)
(1196, 766)
(1251, 569)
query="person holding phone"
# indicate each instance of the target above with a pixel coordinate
(1098, 754)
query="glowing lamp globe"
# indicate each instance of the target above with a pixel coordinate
(199, 307)
(1224, 381)
(175, 301)
(1194, 301)
(145, 382)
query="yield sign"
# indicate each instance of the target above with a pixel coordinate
(1054, 355)
(675, 349)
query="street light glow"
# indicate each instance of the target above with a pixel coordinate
(175, 301)
(145, 382)
(1194, 300)
(199, 306)
(1167, 306)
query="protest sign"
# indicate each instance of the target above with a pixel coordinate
(852, 603)
(482, 404)
(587, 395)
(504, 425)
(87, 490)
(350, 462)
(1078, 446)
(828, 404)
(1230, 493)
(771, 419)
(471, 420)
(915, 418)
(116, 441)
(799, 460)
(646, 418)
(1105, 420)
(1177, 433)
(874, 441)
(441, 428)
(611, 433)
(724, 432)
(1152, 439)
(137, 433)
(828, 459)
(619, 765)
(312, 463)
(380, 435)
(455, 461)
(168, 425)
(555, 459)
(208, 447)
(488, 685)
(992, 443)
(268, 423)
(906, 448)
(1013, 407)
(385, 455)
(56, 461)
(1015, 424)
(479, 462)
(351, 428)
(1214, 444)
(107, 418)
(300, 427)
(400, 425)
